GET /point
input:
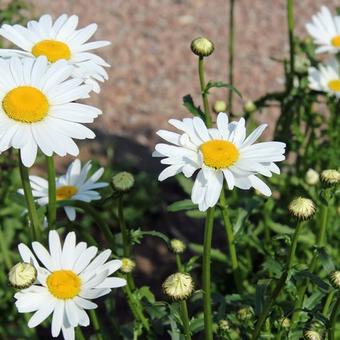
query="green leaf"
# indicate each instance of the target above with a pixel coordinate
(197, 324)
(181, 205)
(260, 295)
(145, 292)
(315, 279)
(191, 264)
(219, 84)
(190, 105)
(215, 253)
(325, 260)
(280, 228)
(156, 234)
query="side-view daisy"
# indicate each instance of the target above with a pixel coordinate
(326, 78)
(325, 30)
(38, 110)
(222, 152)
(68, 277)
(75, 185)
(60, 40)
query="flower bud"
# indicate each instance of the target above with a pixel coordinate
(245, 313)
(178, 286)
(285, 323)
(330, 177)
(128, 265)
(220, 106)
(123, 181)
(334, 277)
(22, 275)
(177, 246)
(312, 177)
(302, 208)
(223, 325)
(311, 335)
(249, 107)
(202, 47)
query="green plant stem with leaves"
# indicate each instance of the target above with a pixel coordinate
(32, 211)
(280, 284)
(332, 318)
(52, 193)
(208, 119)
(231, 242)
(231, 43)
(319, 243)
(328, 302)
(208, 229)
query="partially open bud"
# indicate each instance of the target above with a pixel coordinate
(128, 265)
(311, 335)
(123, 181)
(22, 275)
(245, 313)
(330, 177)
(177, 246)
(302, 208)
(220, 106)
(312, 177)
(178, 286)
(224, 325)
(249, 107)
(285, 323)
(334, 277)
(202, 47)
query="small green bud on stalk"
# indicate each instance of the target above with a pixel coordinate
(249, 107)
(220, 106)
(22, 275)
(123, 181)
(177, 246)
(202, 47)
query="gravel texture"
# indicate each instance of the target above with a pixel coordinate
(153, 67)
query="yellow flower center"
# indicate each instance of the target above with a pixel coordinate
(219, 154)
(63, 284)
(53, 50)
(334, 85)
(25, 104)
(336, 41)
(65, 192)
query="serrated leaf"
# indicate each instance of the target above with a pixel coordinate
(219, 84)
(190, 105)
(315, 279)
(196, 324)
(181, 205)
(156, 234)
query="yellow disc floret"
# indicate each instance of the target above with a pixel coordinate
(334, 85)
(25, 104)
(336, 41)
(219, 154)
(66, 192)
(63, 284)
(53, 50)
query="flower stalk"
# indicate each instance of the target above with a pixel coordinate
(96, 324)
(52, 196)
(280, 284)
(32, 211)
(332, 319)
(208, 229)
(204, 94)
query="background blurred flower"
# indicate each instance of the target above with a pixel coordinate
(75, 185)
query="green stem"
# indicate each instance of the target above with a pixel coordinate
(179, 263)
(231, 42)
(5, 251)
(32, 211)
(185, 319)
(328, 302)
(96, 324)
(332, 319)
(231, 243)
(79, 334)
(208, 119)
(208, 229)
(290, 15)
(136, 308)
(52, 195)
(280, 284)
(320, 242)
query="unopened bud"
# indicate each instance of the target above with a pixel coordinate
(202, 47)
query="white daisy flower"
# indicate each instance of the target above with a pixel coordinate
(325, 30)
(326, 78)
(60, 40)
(38, 110)
(75, 185)
(222, 152)
(69, 276)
